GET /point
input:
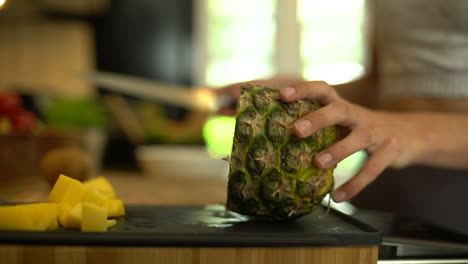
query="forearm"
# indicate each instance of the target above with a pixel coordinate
(446, 140)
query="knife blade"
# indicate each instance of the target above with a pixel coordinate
(201, 99)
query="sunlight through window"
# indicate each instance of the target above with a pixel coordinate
(332, 46)
(240, 40)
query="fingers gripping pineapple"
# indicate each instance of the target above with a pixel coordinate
(272, 172)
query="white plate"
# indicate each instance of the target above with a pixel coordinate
(180, 161)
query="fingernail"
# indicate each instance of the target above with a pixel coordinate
(339, 196)
(288, 91)
(303, 126)
(325, 159)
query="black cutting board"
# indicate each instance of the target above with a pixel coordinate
(209, 226)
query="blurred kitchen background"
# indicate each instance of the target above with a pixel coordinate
(67, 124)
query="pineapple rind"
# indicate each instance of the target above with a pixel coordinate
(272, 173)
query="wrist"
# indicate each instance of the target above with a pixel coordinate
(415, 141)
(441, 139)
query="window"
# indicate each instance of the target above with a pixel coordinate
(332, 39)
(247, 39)
(238, 40)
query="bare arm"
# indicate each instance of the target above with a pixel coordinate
(445, 139)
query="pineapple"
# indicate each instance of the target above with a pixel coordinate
(272, 172)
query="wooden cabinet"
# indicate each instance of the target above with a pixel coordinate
(38, 54)
(46, 57)
(117, 255)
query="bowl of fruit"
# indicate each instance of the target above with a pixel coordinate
(17, 129)
(29, 147)
(14, 118)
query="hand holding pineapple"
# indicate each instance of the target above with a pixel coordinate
(392, 139)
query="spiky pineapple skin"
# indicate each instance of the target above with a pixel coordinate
(272, 173)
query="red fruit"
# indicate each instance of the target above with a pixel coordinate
(10, 103)
(23, 121)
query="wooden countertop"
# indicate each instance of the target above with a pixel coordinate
(137, 188)
(132, 187)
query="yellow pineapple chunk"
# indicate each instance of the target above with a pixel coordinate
(111, 223)
(114, 207)
(60, 187)
(15, 218)
(94, 218)
(93, 196)
(29, 217)
(67, 190)
(102, 185)
(63, 210)
(74, 216)
(43, 215)
(73, 205)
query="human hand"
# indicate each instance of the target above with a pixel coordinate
(390, 139)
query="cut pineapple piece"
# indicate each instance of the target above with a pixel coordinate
(74, 216)
(15, 218)
(67, 190)
(73, 205)
(102, 185)
(43, 215)
(63, 210)
(111, 223)
(93, 196)
(70, 215)
(29, 217)
(114, 207)
(94, 218)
